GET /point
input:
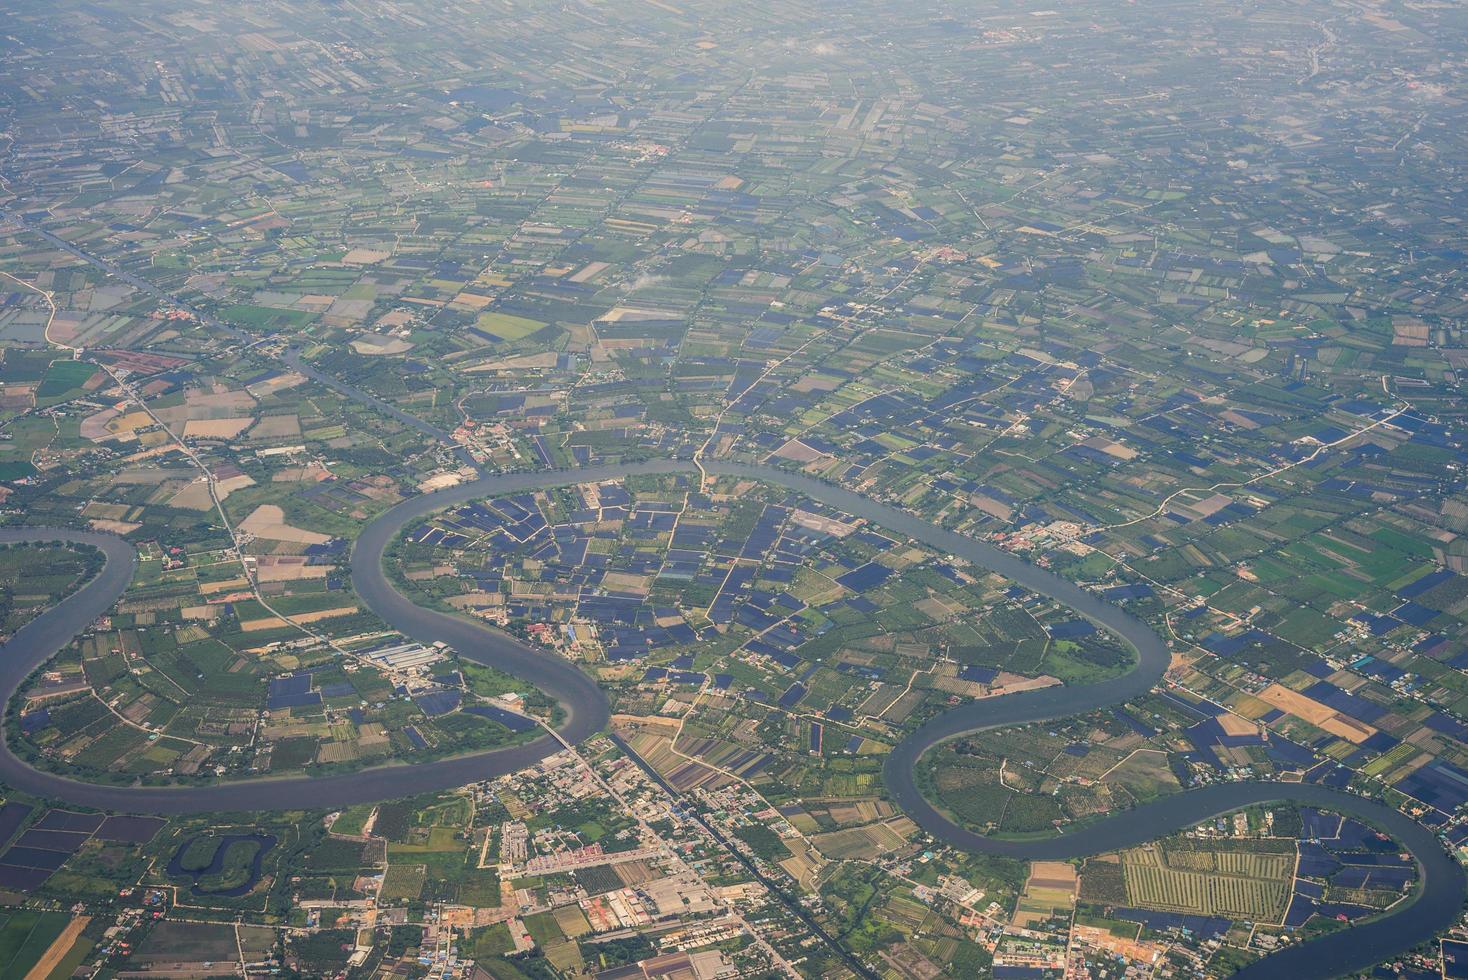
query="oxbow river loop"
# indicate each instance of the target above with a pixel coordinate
(1434, 904)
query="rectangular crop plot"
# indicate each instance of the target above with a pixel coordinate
(130, 830)
(34, 857)
(83, 823)
(25, 935)
(867, 577)
(20, 879)
(404, 881)
(12, 815)
(1229, 884)
(52, 840)
(598, 879)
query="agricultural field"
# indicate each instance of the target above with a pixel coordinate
(211, 699)
(25, 937)
(33, 579)
(1247, 880)
(216, 664)
(767, 620)
(1037, 779)
(1167, 299)
(1235, 885)
(1050, 891)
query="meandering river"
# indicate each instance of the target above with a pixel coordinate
(1435, 903)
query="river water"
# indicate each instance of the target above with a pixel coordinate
(1435, 904)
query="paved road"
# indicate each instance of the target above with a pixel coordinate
(1436, 902)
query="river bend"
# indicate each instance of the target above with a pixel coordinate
(1434, 905)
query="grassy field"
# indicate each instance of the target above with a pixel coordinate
(353, 820)
(403, 881)
(508, 327)
(63, 379)
(480, 889)
(194, 941)
(437, 839)
(265, 316)
(25, 936)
